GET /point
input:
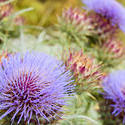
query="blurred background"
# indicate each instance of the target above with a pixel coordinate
(46, 11)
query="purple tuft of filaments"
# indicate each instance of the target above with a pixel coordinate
(35, 85)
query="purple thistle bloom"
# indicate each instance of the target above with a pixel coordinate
(114, 87)
(35, 85)
(110, 9)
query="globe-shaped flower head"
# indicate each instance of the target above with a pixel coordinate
(114, 87)
(33, 86)
(86, 72)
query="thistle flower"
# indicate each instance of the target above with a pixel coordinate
(114, 91)
(34, 86)
(85, 70)
(74, 23)
(109, 9)
(111, 53)
(115, 47)
(102, 27)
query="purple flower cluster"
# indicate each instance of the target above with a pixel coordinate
(114, 87)
(33, 86)
(110, 9)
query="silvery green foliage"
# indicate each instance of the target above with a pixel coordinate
(30, 42)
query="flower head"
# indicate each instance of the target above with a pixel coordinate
(75, 23)
(102, 27)
(74, 16)
(110, 53)
(84, 69)
(33, 86)
(110, 9)
(115, 48)
(114, 87)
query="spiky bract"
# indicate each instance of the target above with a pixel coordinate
(85, 70)
(110, 53)
(75, 24)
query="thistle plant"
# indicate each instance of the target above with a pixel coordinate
(86, 71)
(33, 89)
